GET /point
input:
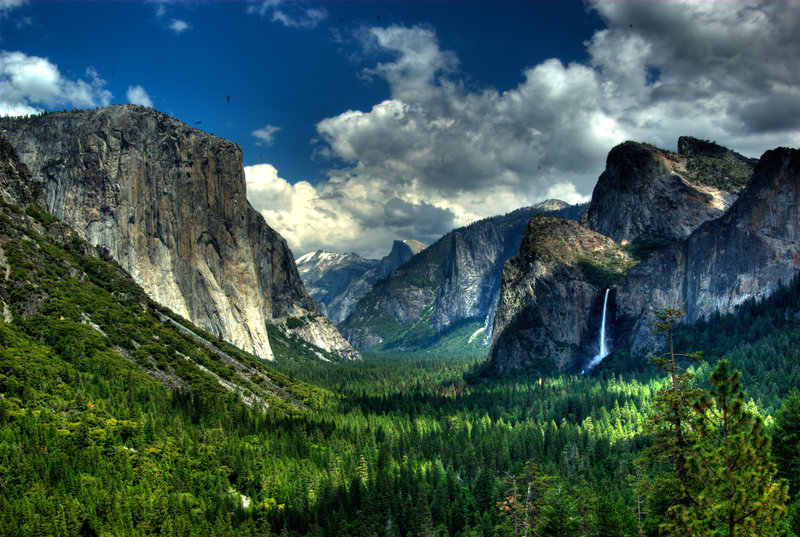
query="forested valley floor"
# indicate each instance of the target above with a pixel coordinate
(396, 445)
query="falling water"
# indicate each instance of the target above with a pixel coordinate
(603, 349)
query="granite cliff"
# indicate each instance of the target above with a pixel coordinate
(68, 306)
(446, 292)
(338, 281)
(746, 253)
(698, 242)
(552, 296)
(647, 192)
(169, 204)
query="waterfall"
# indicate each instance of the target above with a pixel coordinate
(603, 349)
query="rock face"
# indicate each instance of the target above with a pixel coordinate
(548, 305)
(169, 203)
(551, 302)
(339, 281)
(454, 281)
(646, 192)
(744, 254)
(401, 252)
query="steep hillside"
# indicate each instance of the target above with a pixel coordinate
(444, 297)
(169, 203)
(71, 302)
(338, 281)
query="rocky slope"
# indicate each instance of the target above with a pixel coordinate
(647, 192)
(338, 281)
(448, 289)
(702, 264)
(169, 204)
(552, 296)
(744, 254)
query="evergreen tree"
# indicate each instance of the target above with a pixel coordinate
(669, 422)
(786, 441)
(739, 495)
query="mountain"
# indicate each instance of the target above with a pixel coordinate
(558, 275)
(338, 281)
(649, 192)
(690, 246)
(68, 309)
(169, 204)
(444, 297)
(747, 253)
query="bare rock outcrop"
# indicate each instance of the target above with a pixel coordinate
(746, 253)
(648, 192)
(551, 300)
(169, 203)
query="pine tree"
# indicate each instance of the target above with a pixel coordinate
(786, 441)
(669, 422)
(786, 450)
(738, 493)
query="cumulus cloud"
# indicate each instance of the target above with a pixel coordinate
(178, 26)
(723, 70)
(436, 154)
(29, 82)
(290, 14)
(138, 95)
(266, 135)
(321, 217)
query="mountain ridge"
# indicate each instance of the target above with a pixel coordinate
(338, 281)
(449, 290)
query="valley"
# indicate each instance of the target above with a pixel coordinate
(167, 368)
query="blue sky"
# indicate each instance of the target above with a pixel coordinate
(362, 122)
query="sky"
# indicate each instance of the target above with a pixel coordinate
(363, 122)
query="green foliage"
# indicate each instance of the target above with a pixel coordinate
(786, 441)
(670, 418)
(642, 246)
(737, 494)
(40, 215)
(293, 323)
(401, 444)
(725, 173)
(604, 272)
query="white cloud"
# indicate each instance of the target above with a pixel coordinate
(266, 135)
(179, 26)
(7, 6)
(28, 83)
(722, 70)
(290, 14)
(436, 154)
(310, 218)
(138, 95)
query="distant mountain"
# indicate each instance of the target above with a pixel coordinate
(338, 281)
(328, 275)
(444, 297)
(168, 202)
(694, 240)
